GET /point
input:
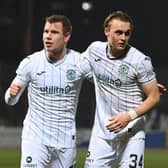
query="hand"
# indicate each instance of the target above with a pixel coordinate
(14, 89)
(162, 88)
(118, 122)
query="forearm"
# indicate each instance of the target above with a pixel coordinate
(12, 100)
(14, 92)
(119, 121)
(146, 106)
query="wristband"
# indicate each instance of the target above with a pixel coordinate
(133, 114)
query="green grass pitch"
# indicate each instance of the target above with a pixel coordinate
(153, 158)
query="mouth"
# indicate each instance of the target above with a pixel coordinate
(122, 45)
(48, 44)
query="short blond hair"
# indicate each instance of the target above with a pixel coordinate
(118, 15)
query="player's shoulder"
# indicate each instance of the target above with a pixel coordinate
(138, 54)
(36, 55)
(31, 58)
(97, 44)
(97, 47)
(73, 56)
(73, 52)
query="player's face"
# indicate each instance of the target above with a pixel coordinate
(118, 34)
(54, 39)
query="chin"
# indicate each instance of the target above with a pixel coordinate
(49, 49)
(121, 48)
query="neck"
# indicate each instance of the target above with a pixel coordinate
(56, 56)
(116, 54)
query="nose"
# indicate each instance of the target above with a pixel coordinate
(48, 35)
(123, 36)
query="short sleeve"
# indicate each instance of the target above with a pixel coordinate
(23, 71)
(146, 71)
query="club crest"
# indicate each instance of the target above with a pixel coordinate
(71, 74)
(123, 70)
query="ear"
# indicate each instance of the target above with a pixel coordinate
(106, 31)
(67, 37)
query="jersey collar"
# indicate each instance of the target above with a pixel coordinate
(109, 56)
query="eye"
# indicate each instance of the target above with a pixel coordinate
(45, 31)
(119, 32)
(55, 32)
(127, 33)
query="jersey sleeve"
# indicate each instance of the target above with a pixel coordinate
(22, 78)
(23, 71)
(85, 67)
(86, 55)
(145, 71)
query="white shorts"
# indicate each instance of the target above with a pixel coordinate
(41, 156)
(126, 151)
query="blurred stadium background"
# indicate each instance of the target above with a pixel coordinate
(21, 23)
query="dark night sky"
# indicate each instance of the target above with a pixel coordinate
(149, 35)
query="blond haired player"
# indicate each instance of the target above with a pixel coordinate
(126, 89)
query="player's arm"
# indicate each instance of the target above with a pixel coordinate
(118, 122)
(14, 92)
(152, 93)
(19, 83)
